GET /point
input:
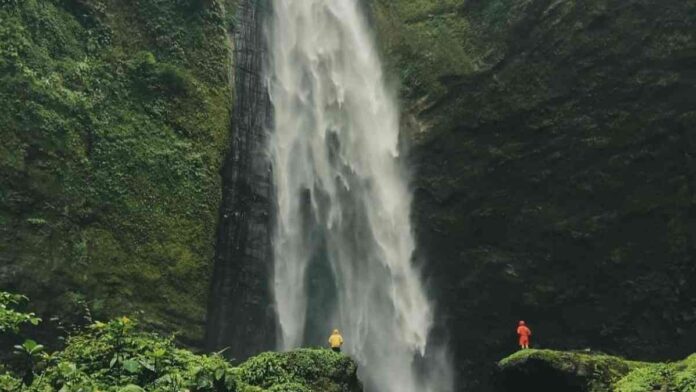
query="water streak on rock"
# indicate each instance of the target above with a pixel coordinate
(240, 315)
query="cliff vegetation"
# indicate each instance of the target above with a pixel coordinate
(114, 119)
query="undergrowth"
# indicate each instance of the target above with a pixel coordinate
(118, 357)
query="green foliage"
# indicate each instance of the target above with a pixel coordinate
(116, 357)
(601, 372)
(31, 353)
(29, 349)
(644, 379)
(114, 120)
(430, 41)
(9, 383)
(10, 319)
(676, 377)
(304, 365)
(289, 387)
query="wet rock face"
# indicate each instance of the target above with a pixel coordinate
(554, 170)
(240, 314)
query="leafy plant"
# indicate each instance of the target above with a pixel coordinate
(31, 353)
(11, 319)
(116, 357)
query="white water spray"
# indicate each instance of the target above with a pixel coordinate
(343, 242)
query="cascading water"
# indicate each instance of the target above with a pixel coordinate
(343, 244)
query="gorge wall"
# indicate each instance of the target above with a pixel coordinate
(552, 144)
(114, 118)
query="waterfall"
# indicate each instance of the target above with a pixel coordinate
(343, 239)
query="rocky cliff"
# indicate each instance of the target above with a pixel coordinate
(553, 152)
(115, 118)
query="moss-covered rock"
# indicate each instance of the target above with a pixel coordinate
(547, 370)
(554, 180)
(114, 119)
(556, 370)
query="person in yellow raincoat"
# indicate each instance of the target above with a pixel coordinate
(336, 341)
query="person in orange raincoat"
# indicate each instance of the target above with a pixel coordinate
(524, 333)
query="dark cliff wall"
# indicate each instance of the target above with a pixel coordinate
(114, 121)
(241, 314)
(554, 155)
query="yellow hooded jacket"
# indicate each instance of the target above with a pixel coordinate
(336, 340)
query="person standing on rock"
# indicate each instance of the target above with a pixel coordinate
(336, 341)
(524, 333)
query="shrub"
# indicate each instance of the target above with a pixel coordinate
(108, 356)
(117, 357)
(10, 319)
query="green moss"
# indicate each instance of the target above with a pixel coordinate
(561, 359)
(430, 42)
(600, 372)
(115, 117)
